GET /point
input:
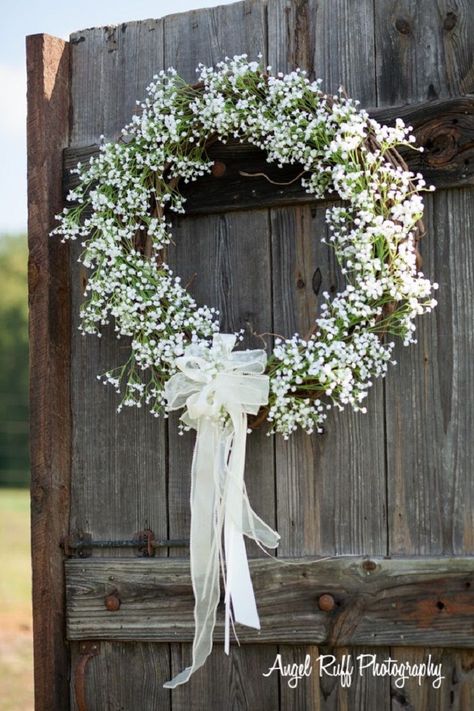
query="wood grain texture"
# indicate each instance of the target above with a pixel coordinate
(430, 486)
(332, 492)
(376, 601)
(430, 490)
(331, 478)
(323, 480)
(119, 484)
(445, 130)
(227, 259)
(457, 688)
(331, 488)
(49, 331)
(424, 51)
(123, 676)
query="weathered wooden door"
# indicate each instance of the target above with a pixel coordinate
(393, 486)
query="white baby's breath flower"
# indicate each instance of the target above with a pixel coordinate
(130, 188)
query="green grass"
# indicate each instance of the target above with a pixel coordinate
(15, 566)
(16, 658)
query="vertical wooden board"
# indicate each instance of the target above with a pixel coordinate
(111, 67)
(119, 460)
(424, 49)
(427, 51)
(231, 259)
(123, 676)
(233, 682)
(429, 433)
(210, 35)
(331, 488)
(456, 692)
(319, 691)
(364, 692)
(306, 694)
(314, 496)
(226, 260)
(48, 67)
(331, 39)
(350, 456)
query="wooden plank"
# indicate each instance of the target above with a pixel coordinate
(425, 51)
(331, 488)
(119, 461)
(49, 326)
(444, 128)
(330, 479)
(123, 676)
(457, 687)
(228, 260)
(119, 482)
(377, 601)
(430, 488)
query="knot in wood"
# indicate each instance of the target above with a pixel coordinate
(442, 145)
(450, 21)
(402, 25)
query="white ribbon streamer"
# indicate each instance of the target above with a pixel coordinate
(219, 388)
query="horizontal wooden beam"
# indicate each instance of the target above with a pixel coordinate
(444, 128)
(341, 601)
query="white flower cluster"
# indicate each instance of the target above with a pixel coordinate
(125, 193)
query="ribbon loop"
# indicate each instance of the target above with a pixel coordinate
(219, 388)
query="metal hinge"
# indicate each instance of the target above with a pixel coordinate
(87, 651)
(81, 544)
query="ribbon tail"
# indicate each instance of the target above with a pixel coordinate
(255, 528)
(204, 546)
(238, 581)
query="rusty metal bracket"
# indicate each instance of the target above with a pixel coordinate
(80, 544)
(77, 544)
(87, 651)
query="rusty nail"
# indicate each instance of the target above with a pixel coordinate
(112, 602)
(326, 602)
(150, 537)
(369, 565)
(218, 169)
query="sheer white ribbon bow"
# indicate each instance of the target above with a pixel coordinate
(219, 388)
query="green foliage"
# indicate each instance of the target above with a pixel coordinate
(14, 464)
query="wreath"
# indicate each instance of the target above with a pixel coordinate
(178, 357)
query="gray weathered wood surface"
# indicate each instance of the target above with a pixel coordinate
(425, 50)
(214, 249)
(49, 332)
(443, 128)
(395, 481)
(119, 482)
(376, 601)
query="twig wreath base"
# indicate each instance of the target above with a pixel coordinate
(132, 186)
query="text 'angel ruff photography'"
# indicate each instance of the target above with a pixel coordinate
(349, 666)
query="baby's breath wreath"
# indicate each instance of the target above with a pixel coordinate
(133, 185)
(177, 357)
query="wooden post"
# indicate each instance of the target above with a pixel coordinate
(48, 279)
